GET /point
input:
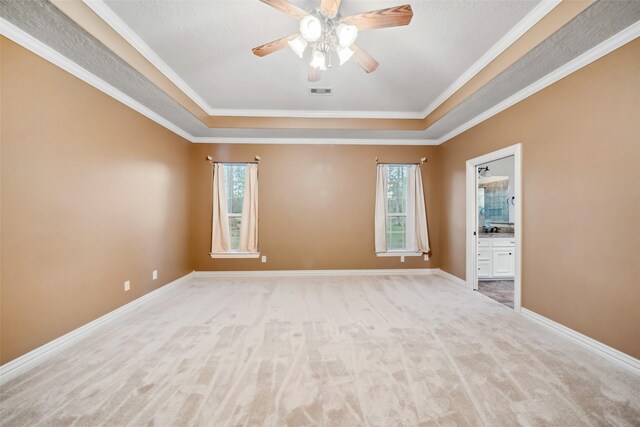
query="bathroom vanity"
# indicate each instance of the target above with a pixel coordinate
(496, 256)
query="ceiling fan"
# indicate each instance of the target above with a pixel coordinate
(327, 32)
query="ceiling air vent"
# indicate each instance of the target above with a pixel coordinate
(320, 91)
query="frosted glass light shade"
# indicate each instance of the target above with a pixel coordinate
(344, 54)
(347, 34)
(311, 28)
(318, 61)
(298, 45)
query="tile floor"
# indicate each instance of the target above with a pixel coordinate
(497, 290)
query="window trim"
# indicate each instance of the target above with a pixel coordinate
(399, 253)
(235, 254)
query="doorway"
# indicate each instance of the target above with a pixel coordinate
(494, 225)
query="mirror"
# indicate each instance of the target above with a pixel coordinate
(493, 201)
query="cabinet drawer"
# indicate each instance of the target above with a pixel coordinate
(484, 243)
(504, 243)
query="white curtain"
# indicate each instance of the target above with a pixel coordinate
(220, 221)
(249, 224)
(381, 209)
(417, 232)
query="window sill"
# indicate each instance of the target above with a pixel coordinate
(235, 255)
(399, 253)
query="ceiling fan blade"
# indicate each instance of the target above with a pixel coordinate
(273, 46)
(329, 8)
(314, 74)
(391, 17)
(364, 60)
(286, 7)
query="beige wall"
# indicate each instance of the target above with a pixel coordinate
(581, 207)
(316, 205)
(93, 194)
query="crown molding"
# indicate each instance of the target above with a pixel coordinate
(32, 44)
(524, 25)
(616, 41)
(324, 114)
(309, 141)
(114, 21)
(29, 42)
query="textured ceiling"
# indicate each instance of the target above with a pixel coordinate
(47, 24)
(208, 44)
(595, 25)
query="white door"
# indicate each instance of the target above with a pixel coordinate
(507, 264)
(503, 262)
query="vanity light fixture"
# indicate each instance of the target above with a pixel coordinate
(484, 172)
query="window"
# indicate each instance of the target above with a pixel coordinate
(397, 207)
(234, 213)
(400, 223)
(234, 175)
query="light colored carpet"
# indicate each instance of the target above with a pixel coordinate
(330, 351)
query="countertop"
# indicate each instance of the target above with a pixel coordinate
(495, 235)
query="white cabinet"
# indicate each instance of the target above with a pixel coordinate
(484, 259)
(484, 269)
(502, 262)
(496, 257)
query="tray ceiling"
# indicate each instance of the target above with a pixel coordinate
(207, 44)
(46, 30)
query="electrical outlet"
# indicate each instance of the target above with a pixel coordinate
(127, 285)
(426, 257)
(154, 276)
(402, 259)
(264, 258)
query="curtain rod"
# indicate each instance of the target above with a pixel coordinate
(422, 160)
(210, 160)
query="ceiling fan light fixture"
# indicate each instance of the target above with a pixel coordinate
(344, 54)
(318, 61)
(325, 32)
(298, 45)
(347, 34)
(311, 28)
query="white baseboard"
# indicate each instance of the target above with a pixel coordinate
(610, 353)
(371, 272)
(455, 279)
(22, 364)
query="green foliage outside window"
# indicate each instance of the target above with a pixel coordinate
(397, 207)
(234, 182)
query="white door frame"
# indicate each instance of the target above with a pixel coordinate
(472, 223)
